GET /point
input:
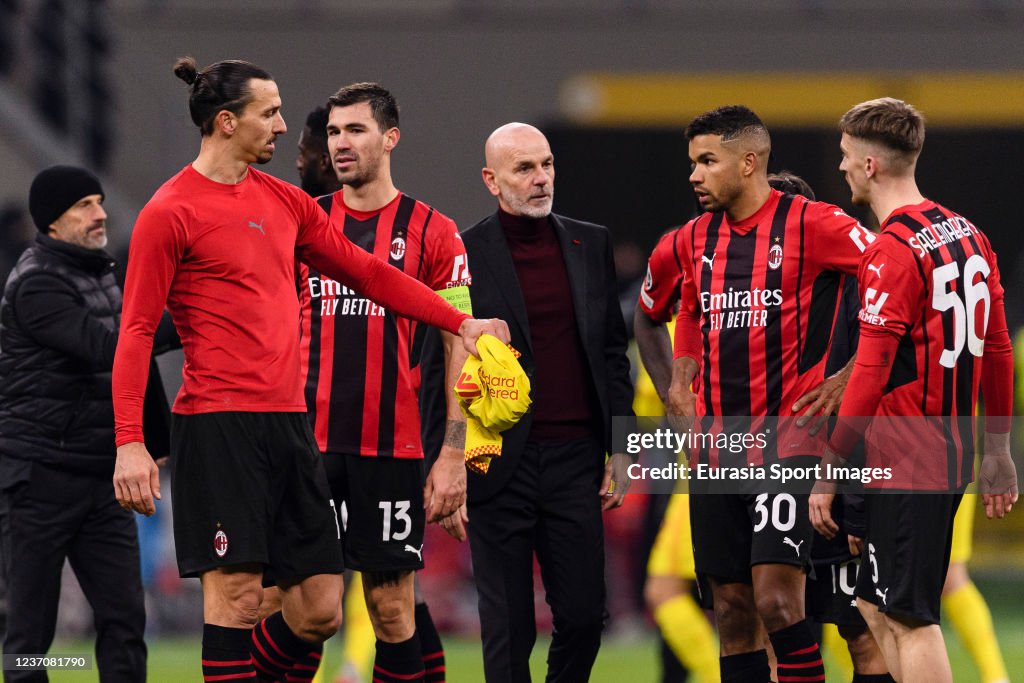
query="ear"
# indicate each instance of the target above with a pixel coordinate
(749, 163)
(325, 161)
(489, 181)
(870, 166)
(225, 122)
(391, 138)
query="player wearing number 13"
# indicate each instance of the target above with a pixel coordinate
(932, 307)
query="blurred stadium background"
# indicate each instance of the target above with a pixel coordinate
(612, 82)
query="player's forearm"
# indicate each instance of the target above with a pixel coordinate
(688, 336)
(655, 346)
(394, 290)
(997, 372)
(871, 370)
(131, 374)
(455, 356)
(684, 371)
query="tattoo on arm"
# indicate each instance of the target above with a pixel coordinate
(455, 434)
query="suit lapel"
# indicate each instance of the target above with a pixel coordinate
(498, 260)
(574, 252)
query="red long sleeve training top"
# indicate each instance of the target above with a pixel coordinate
(222, 259)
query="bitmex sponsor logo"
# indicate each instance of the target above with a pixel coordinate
(739, 307)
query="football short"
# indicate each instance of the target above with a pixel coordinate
(383, 517)
(251, 488)
(906, 552)
(830, 595)
(672, 553)
(732, 532)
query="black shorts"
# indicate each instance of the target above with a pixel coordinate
(906, 552)
(733, 532)
(382, 511)
(830, 593)
(250, 487)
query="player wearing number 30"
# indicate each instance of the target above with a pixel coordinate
(761, 276)
(932, 306)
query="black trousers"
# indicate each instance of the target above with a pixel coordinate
(51, 515)
(550, 506)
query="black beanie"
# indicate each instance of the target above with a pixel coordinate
(56, 189)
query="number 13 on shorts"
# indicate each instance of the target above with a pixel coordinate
(399, 512)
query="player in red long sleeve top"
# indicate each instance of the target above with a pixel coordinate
(932, 329)
(217, 244)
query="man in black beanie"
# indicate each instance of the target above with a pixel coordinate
(58, 329)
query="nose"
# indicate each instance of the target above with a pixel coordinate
(279, 125)
(543, 177)
(100, 213)
(696, 177)
(298, 163)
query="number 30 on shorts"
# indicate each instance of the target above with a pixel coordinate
(783, 512)
(401, 514)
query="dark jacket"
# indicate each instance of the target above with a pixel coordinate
(59, 321)
(495, 293)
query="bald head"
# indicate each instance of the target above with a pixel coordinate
(520, 170)
(510, 137)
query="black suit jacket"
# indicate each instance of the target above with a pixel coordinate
(495, 293)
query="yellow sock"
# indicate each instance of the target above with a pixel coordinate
(972, 621)
(834, 647)
(360, 642)
(688, 633)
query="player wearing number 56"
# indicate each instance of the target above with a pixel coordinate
(933, 329)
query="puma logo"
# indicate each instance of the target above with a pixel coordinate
(709, 261)
(881, 594)
(418, 552)
(257, 226)
(877, 269)
(795, 546)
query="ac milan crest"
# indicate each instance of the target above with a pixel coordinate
(220, 543)
(397, 248)
(775, 257)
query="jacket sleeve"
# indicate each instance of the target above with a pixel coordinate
(620, 386)
(52, 313)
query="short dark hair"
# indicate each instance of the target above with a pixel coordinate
(382, 103)
(220, 86)
(731, 122)
(788, 182)
(316, 122)
(892, 123)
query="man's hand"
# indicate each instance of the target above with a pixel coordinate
(856, 544)
(823, 400)
(997, 482)
(471, 329)
(455, 523)
(819, 507)
(681, 401)
(616, 481)
(136, 478)
(445, 490)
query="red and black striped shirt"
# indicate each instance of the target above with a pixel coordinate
(361, 386)
(758, 301)
(932, 307)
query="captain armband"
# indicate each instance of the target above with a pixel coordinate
(458, 297)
